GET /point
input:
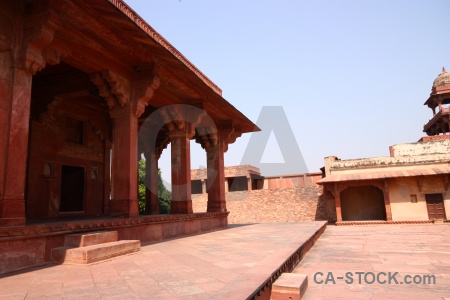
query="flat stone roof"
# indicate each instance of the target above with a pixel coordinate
(234, 263)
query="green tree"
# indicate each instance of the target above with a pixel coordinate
(164, 194)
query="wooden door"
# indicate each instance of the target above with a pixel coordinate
(435, 206)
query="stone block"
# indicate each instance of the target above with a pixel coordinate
(94, 253)
(289, 286)
(88, 239)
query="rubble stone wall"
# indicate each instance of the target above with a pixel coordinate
(280, 205)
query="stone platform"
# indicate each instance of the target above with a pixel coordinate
(240, 262)
(419, 251)
(22, 247)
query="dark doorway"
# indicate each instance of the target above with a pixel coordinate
(236, 184)
(196, 187)
(435, 206)
(72, 189)
(362, 203)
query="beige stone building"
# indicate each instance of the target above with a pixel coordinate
(410, 185)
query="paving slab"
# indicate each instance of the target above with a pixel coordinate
(373, 249)
(227, 264)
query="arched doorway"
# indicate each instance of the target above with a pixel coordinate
(362, 203)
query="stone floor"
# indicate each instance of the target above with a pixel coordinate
(407, 249)
(225, 264)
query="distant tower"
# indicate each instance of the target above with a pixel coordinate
(439, 98)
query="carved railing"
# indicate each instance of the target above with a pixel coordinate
(441, 112)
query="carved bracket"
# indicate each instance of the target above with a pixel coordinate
(38, 32)
(113, 87)
(144, 87)
(53, 53)
(228, 134)
(210, 139)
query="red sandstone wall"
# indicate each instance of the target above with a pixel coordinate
(292, 181)
(281, 205)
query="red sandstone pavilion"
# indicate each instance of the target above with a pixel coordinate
(77, 81)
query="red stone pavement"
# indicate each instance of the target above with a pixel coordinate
(407, 249)
(224, 264)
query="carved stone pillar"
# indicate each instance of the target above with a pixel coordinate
(151, 183)
(216, 178)
(180, 122)
(216, 144)
(387, 201)
(203, 186)
(337, 199)
(180, 139)
(124, 162)
(17, 67)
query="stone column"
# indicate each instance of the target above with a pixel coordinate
(216, 178)
(215, 141)
(15, 95)
(124, 200)
(387, 201)
(151, 183)
(17, 67)
(203, 186)
(226, 185)
(337, 199)
(249, 184)
(181, 169)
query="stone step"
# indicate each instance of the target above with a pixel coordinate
(94, 253)
(289, 286)
(91, 238)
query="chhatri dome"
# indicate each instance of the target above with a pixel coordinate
(443, 79)
(439, 100)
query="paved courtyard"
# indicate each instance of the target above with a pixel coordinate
(406, 249)
(224, 264)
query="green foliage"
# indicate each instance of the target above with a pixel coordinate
(141, 189)
(164, 194)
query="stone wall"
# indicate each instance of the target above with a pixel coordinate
(422, 148)
(280, 205)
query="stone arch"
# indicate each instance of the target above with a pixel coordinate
(361, 203)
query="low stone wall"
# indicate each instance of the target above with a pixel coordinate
(280, 205)
(30, 246)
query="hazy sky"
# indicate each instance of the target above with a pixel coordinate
(352, 76)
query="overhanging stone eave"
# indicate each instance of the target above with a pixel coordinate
(146, 29)
(210, 89)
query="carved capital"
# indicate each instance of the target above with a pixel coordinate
(120, 86)
(207, 137)
(218, 139)
(181, 120)
(228, 134)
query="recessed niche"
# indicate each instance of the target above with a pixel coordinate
(74, 131)
(48, 169)
(94, 173)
